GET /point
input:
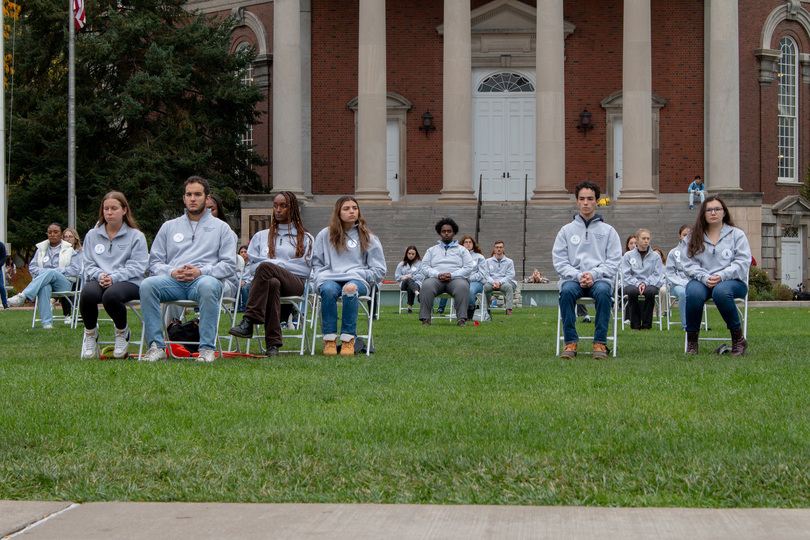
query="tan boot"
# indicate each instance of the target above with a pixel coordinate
(600, 351)
(569, 351)
(329, 348)
(347, 348)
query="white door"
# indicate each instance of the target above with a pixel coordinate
(791, 262)
(392, 158)
(617, 159)
(503, 136)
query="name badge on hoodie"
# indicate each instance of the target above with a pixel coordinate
(633, 262)
(575, 240)
(726, 254)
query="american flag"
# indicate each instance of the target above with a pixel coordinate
(78, 13)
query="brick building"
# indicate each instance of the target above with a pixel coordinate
(411, 105)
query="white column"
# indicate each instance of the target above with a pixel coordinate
(637, 105)
(723, 92)
(371, 103)
(550, 118)
(457, 104)
(287, 150)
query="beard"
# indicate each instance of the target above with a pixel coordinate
(196, 212)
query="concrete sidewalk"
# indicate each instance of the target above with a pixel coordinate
(174, 521)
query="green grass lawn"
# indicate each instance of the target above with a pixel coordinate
(478, 415)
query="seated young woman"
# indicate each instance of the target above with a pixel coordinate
(279, 263)
(346, 262)
(115, 261)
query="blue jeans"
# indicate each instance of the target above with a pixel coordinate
(680, 292)
(602, 293)
(329, 291)
(3, 297)
(723, 295)
(243, 297)
(48, 280)
(205, 290)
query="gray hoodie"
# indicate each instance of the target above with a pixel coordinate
(350, 265)
(649, 270)
(284, 253)
(414, 269)
(674, 269)
(124, 258)
(211, 248)
(454, 259)
(730, 258)
(581, 248)
(501, 270)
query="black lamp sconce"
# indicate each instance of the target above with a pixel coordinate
(427, 123)
(585, 122)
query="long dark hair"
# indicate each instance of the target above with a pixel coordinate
(295, 219)
(337, 236)
(405, 258)
(701, 226)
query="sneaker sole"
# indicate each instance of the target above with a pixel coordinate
(240, 335)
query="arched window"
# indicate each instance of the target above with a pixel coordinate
(788, 110)
(506, 82)
(247, 79)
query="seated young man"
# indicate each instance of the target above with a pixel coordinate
(586, 255)
(501, 277)
(446, 267)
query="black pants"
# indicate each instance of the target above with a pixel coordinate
(641, 313)
(270, 283)
(410, 285)
(113, 297)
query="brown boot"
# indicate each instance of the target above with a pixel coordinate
(692, 342)
(347, 348)
(600, 351)
(738, 342)
(329, 348)
(569, 351)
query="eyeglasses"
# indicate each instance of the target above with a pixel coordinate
(714, 210)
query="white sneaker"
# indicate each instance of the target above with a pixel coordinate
(47, 327)
(17, 300)
(206, 355)
(154, 354)
(68, 320)
(90, 344)
(121, 349)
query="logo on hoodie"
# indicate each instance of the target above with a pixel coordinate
(726, 254)
(575, 239)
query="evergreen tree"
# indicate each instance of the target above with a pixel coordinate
(158, 98)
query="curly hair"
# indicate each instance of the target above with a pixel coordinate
(476, 248)
(446, 221)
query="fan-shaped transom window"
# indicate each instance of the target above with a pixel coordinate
(506, 82)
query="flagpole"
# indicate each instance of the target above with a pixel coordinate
(71, 119)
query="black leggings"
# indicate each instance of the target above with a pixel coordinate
(113, 298)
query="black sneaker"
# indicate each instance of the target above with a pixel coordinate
(272, 350)
(243, 330)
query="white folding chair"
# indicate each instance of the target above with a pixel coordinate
(367, 305)
(671, 300)
(72, 296)
(296, 325)
(131, 306)
(449, 310)
(227, 304)
(616, 314)
(481, 301)
(742, 310)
